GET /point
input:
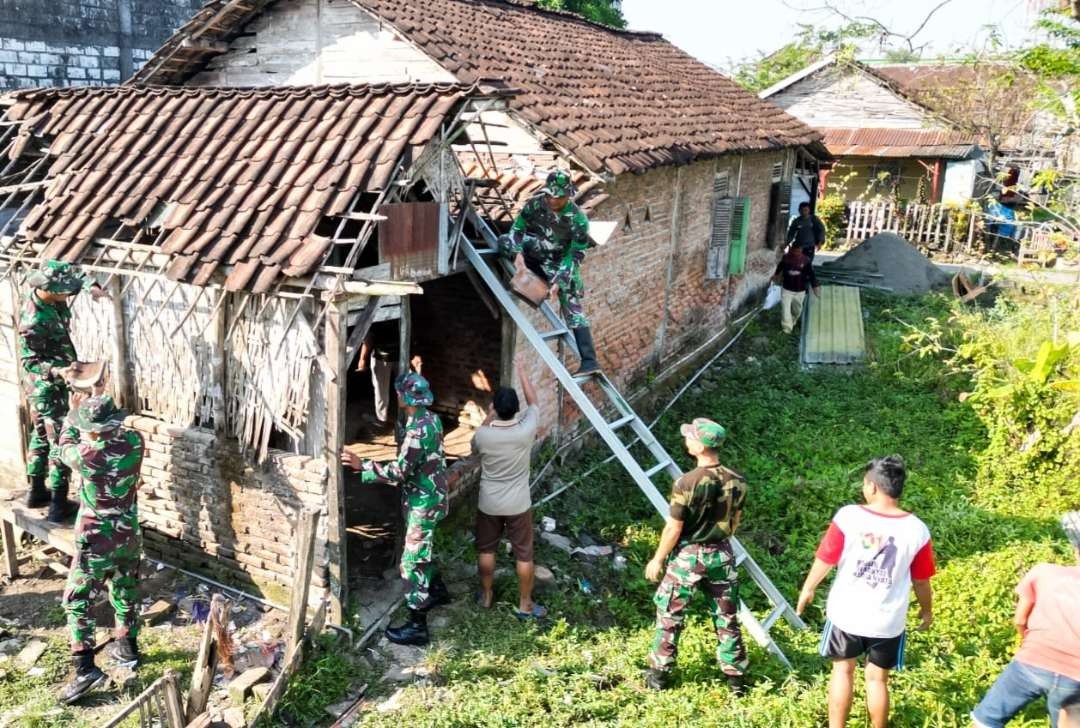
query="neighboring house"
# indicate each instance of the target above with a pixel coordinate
(82, 42)
(253, 229)
(899, 127)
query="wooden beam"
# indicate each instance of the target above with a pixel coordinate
(219, 384)
(363, 216)
(361, 329)
(204, 46)
(202, 679)
(337, 320)
(175, 714)
(125, 393)
(307, 522)
(11, 559)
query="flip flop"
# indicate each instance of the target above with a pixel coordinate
(539, 611)
(479, 597)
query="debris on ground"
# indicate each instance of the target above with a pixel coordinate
(886, 262)
(30, 654)
(242, 685)
(557, 541)
(157, 612)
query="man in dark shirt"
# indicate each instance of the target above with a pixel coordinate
(706, 506)
(806, 231)
(795, 273)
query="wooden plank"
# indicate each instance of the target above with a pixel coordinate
(125, 393)
(219, 384)
(306, 523)
(202, 679)
(174, 712)
(337, 317)
(56, 535)
(360, 330)
(11, 559)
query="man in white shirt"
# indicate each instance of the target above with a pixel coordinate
(881, 552)
(504, 443)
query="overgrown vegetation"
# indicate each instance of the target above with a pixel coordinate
(599, 11)
(801, 438)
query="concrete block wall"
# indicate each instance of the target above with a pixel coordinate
(82, 42)
(204, 508)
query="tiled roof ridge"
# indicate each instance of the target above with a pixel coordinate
(531, 5)
(336, 90)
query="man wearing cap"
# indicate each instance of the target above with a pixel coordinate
(45, 352)
(706, 506)
(550, 238)
(420, 471)
(108, 457)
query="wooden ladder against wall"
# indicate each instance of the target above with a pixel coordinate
(486, 261)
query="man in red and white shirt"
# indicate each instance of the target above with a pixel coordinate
(880, 552)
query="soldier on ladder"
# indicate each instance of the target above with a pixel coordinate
(550, 238)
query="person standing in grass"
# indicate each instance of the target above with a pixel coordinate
(880, 552)
(504, 443)
(1048, 661)
(706, 507)
(795, 274)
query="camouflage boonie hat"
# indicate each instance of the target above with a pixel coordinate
(56, 276)
(414, 390)
(98, 414)
(705, 431)
(558, 184)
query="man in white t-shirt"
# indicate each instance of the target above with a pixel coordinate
(881, 552)
(504, 443)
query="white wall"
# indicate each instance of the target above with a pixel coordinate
(298, 42)
(845, 99)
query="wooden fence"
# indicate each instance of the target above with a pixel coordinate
(937, 227)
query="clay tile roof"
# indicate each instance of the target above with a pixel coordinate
(243, 176)
(521, 177)
(619, 101)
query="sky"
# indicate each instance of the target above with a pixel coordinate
(722, 32)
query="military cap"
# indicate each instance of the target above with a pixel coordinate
(98, 414)
(705, 431)
(558, 184)
(414, 390)
(56, 276)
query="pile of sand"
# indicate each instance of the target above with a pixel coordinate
(900, 266)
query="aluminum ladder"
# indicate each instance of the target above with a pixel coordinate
(642, 474)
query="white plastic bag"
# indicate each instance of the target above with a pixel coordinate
(772, 297)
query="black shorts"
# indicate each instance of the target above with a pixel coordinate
(884, 652)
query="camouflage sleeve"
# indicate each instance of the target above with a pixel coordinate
(35, 345)
(521, 224)
(737, 500)
(680, 500)
(67, 446)
(575, 250)
(396, 472)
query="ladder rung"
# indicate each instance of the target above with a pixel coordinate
(774, 616)
(622, 422)
(487, 251)
(554, 334)
(657, 468)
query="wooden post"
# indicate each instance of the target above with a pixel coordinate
(202, 679)
(336, 323)
(218, 327)
(506, 353)
(172, 701)
(405, 336)
(307, 522)
(11, 559)
(124, 392)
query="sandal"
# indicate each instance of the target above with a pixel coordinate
(538, 612)
(479, 598)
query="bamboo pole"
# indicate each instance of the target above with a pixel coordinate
(335, 392)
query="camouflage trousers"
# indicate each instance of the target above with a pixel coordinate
(48, 400)
(571, 297)
(107, 551)
(713, 566)
(417, 557)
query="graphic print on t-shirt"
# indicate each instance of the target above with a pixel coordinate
(873, 571)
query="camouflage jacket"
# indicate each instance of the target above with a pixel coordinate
(109, 468)
(709, 502)
(44, 335)
(420, 468)
(560, 238)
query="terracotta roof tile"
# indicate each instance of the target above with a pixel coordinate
(618, 100)
(247, 174)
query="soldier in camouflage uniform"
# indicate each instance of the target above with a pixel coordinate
(107, 457)
(706, 506)
(420, 471)
(550, 238)
(45, 351)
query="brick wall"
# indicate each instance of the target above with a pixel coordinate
(204, 508)
(647, 298)
(459, 341)
(82, 42)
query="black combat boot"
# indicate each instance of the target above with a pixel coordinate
(123, 652)
(87, 677)
(438, 595)
(589, 365)
(60, 508)
(736, 685)
(38, 495)
(655, 679)
(413, 632)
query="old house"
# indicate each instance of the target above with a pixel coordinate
(280, 181)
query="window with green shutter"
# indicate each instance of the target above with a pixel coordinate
(720, 240)
(740, 234)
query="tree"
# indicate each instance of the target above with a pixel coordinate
(606, 12)
(811, 44)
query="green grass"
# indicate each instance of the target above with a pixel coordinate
(800, 438)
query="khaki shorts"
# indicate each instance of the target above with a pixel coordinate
(518, 529)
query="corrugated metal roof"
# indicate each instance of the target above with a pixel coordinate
(832, 331)
(933, 143)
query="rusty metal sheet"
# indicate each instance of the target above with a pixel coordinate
(409, 239)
